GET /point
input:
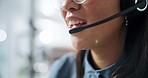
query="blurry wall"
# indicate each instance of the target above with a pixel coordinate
(51, 37)
(32, 36)
(14, 20)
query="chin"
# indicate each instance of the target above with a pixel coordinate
(80, 44)
(79, 47)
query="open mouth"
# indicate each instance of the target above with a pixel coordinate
(75, 23)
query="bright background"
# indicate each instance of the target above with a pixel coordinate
(32, 36)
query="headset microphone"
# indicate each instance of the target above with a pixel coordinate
(124, 12)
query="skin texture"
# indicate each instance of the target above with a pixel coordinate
(105, 41)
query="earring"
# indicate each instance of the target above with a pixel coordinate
(126, 21)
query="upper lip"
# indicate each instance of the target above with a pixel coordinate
(72, 18)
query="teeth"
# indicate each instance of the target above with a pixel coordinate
(72, 22)
(75, 22)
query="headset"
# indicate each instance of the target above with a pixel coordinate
(125, 4)
(130, 8)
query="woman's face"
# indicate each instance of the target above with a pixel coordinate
(89, 12)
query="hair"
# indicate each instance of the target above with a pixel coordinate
(136, 49)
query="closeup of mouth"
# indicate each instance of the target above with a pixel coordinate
(75, 23)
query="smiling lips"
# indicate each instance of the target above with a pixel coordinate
(74, 22)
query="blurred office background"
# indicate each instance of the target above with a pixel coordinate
(32, 36)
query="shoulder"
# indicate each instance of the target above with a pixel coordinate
(63, 67)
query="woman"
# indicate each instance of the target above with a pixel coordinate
(115, 49)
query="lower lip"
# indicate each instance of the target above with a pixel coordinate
(80, 24)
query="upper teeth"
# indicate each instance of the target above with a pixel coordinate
(75, 22)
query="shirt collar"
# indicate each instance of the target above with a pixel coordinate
(106, 72)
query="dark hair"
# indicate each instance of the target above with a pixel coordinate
(79, 64)
(136, 49)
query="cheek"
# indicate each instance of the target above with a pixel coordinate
(108, 8)
(63, 13)
(108, 31)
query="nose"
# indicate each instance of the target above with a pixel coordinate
(70, 6)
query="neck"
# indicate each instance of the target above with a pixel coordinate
(108, 55)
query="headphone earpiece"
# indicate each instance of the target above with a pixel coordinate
(125, 4)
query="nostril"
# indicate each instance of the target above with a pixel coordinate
(70, 6)
(72, 9)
